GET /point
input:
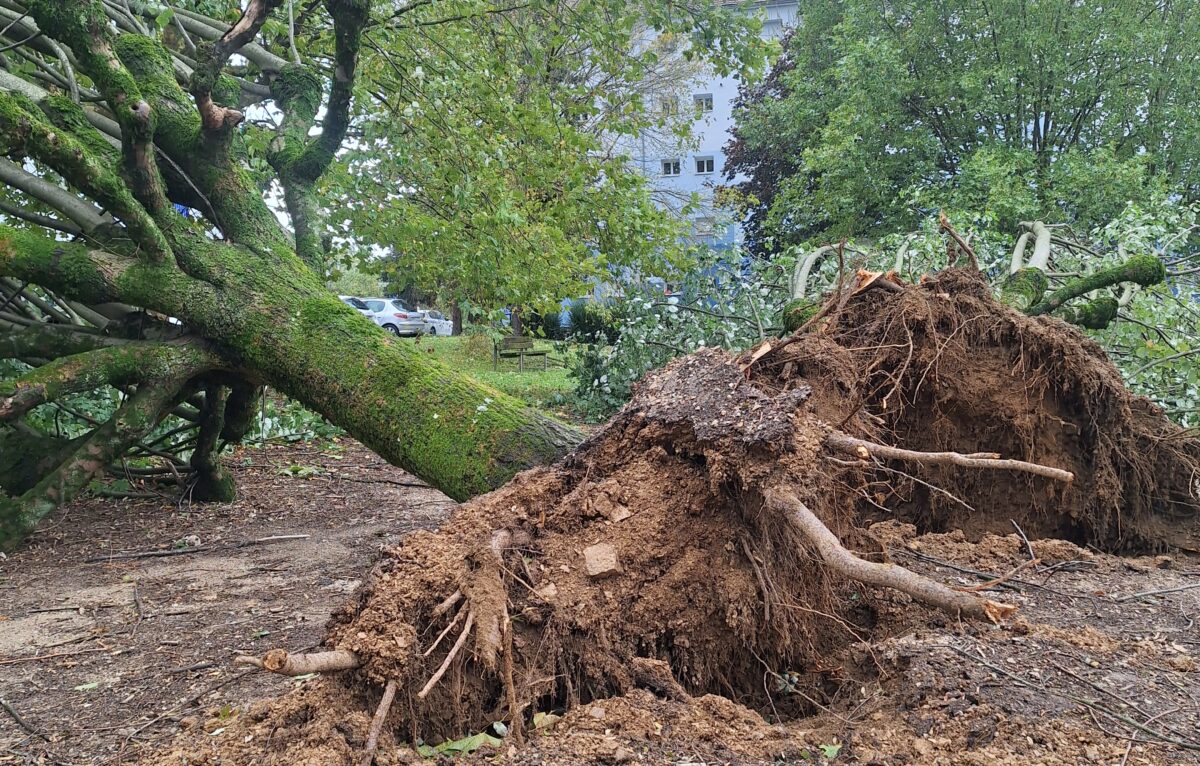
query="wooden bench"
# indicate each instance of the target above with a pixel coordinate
(519, 346)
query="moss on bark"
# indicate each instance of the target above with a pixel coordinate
(1024, 288)
(1094, 315)
(1144, 270)
(797, 312)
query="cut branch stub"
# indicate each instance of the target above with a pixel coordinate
(865, 449)
(892, 576)
(279, 661)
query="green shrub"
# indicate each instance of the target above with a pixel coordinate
(593, 323)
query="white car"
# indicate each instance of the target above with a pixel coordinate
(436, 323)
(392, 315)
(356, 303)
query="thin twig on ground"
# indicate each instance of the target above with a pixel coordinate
(1159, 592)
(29, 728)
(1090, 704)
(40, 657)
(125, 555)
(1024, 539)
(1002, 578)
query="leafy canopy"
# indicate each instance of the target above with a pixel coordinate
(1059, 111)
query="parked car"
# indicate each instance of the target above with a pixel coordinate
(357, 303)
(436, 323)
(392, 315)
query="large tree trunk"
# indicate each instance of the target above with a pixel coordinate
(253, 307)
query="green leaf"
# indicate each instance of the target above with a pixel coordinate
(831, 751)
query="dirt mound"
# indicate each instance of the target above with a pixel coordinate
(655, 557)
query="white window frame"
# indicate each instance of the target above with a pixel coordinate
(703, 103)
(712, 165)
(672, 168)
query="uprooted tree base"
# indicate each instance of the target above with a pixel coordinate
(658, 555)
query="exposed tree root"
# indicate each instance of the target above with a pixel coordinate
(884, 575)
(279, 661)
(863, 449)
(454, 650)
(381, 714)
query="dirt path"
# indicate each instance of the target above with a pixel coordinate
(131, 649)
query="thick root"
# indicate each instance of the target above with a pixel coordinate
(886, 575)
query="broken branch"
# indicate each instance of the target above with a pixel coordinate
(279, 661)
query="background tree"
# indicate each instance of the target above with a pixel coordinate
(110, 119)
(1055, 111)
(493, 164)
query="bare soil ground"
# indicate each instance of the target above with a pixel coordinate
(101, 655)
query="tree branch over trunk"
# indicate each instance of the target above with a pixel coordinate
(217, 119)
(84, 27)
(300, 160)
(93, 453)
(114, 365)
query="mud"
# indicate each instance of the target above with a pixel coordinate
(644, 576)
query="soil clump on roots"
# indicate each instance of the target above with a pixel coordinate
(693, 558)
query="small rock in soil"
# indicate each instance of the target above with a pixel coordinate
(600, 560)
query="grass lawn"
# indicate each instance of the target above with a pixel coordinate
(545, 389)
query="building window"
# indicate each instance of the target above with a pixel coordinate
(704, 165)
(703, 227)
(671, 167)
(703, 103)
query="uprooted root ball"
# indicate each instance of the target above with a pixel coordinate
(650, 558)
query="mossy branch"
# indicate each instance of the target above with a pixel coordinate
(52, 341)
(115, 365)
(225, 188)
(94, 276)
(1144, 270)
(91, 455)
(84, 26)
(219, 120)
(26, 131)
(300, 160)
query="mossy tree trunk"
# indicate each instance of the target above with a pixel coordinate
(252, 303)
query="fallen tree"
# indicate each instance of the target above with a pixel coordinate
(190, 317)
(720, 529)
